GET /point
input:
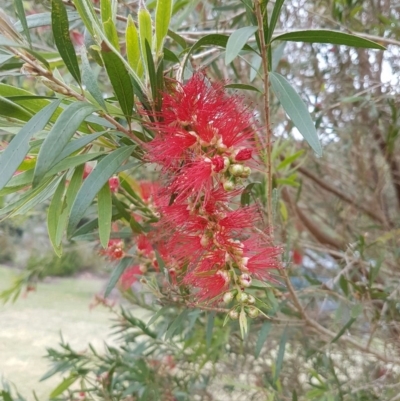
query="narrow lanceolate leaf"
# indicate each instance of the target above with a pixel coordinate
(296, 110)
(281, 354)
(70, 195)
(111, 32)
(133, 46)
(10, 109)
(236, 42)
(16, 151)
(88, 14)
(60, 27)
(19, 7)
(94, 182)
(43, 19)
(104, 206)
(64, 385)
(163, 18)
(53, 214)
(106, 10)
(244, 87)
(327, 36)
(89, 80)
(274, 18)
(265, 329)
(214, 39)
(344, 328)
(145, 32)
(116, 274)
(61, 133)
(120, 80)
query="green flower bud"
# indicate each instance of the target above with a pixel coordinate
(236, 170)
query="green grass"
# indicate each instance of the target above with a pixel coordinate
(35, 322)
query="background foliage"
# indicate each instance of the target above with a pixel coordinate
(332, 331)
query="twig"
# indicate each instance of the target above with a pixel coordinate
(264, 56)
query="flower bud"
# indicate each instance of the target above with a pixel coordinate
(113, 183)
(246, 172)
(243, 154)
(229, 186)
(228, 297)
(253, 312)
(233, 314)
(245, 280)
(242, 297)
(236, 170)
(251, 300)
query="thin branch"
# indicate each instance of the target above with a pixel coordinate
(264, 57)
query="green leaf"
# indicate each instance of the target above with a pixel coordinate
(281, 354)
(116, 274)
(133, 46)
(104, 205)
(60, 28)
(236, 42)
(106, 10)
(145, 31)
(175, 325)
(163, 18)
(296, 110)
(88, 14)
(61, 133)
(36, 197)
(120, 80)
(53, 214)
(180, 40)
(210, 328)
(274, 18)
(77, 144)
(327, 36)
(64, 385)
(43, 19)
(70, 195)
(343, 329)
(244, 87)
(94, 182)
(265, 329)
(111, 32)
(89, 80)
(18, 148)
(11, 109)
(19, 8)
(289, 160)
(214, 39)
(151, 69)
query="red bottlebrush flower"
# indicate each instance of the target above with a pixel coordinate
(113, 183)
(114, 249)
(144, 245)
(148, 190)
(169, 145)
(86, 171)
(263, 262)
(193, 180)
(297, 257)
(243, 154)
(211, 286)
(240, 219)
(129, 276)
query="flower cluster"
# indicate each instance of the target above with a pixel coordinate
(204, 141)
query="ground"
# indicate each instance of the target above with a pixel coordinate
(35, 322)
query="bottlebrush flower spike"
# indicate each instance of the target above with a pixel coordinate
(204, 142)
